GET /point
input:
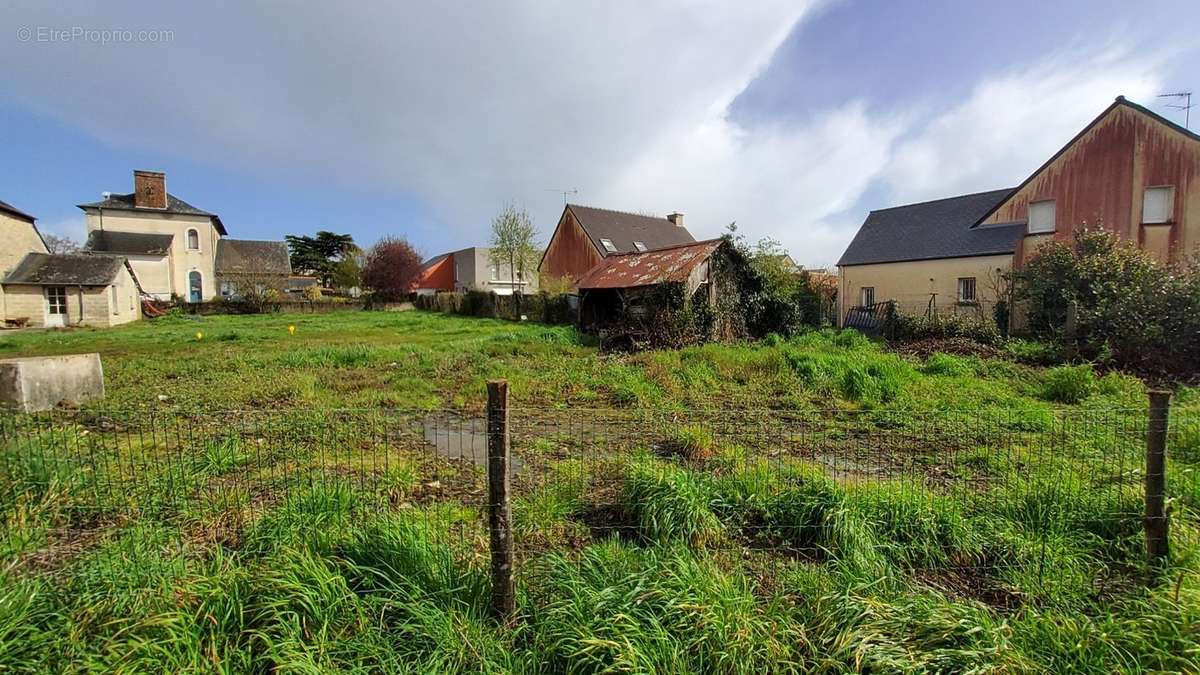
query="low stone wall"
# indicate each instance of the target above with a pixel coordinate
(292, 306)
(37, 383)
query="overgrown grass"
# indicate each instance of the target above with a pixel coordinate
(293, 551)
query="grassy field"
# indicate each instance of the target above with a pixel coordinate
(733, 552)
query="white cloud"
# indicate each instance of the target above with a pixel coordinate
(465, 107)
(1012, 123)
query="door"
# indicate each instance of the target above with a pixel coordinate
(195, 287)
(56, 306)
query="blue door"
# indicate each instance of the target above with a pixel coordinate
(195, 287)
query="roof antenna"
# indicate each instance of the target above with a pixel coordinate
(1186, 106)
(572, 191)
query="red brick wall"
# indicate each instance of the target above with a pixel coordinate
(149, 190)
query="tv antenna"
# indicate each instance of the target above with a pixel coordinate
(1185, 105)
(564, 193)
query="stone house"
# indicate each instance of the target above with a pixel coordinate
(173, 247)
(55, 291)
(38, 289)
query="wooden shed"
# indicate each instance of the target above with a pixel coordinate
(685, 293)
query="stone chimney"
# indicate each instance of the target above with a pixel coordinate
(676, 219)
(149, 190)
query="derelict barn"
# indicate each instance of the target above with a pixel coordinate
(684, 293)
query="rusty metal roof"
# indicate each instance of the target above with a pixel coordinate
(660, 266)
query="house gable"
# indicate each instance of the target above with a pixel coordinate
(570, 252)
(1099, 178)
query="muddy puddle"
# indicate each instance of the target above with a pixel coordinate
(465, 438)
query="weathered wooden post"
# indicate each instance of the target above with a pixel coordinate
(1156, 477)
(504, 600)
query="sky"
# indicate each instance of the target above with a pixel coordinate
(792, 119)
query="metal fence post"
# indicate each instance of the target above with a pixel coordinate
(1156, 477)
(499, 509)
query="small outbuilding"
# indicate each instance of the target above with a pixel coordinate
(51, 291)
(675, 295)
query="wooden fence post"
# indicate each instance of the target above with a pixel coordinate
(504, 601)
(1156, 477)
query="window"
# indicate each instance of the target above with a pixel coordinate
(640, 246)
(193, 240)
(1042, 216)
(116, 307)
(1158, 204)
(195, 287)
(608, 245)
(867, 296)
(495, 272)
(966, 289)
(56, 300)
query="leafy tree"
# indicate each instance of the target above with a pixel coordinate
(347, 272)
(392, 267)
(318, 255)
(61, 245)
(513, 243)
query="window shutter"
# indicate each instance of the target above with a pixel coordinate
(1042, 216)
(1157, 204)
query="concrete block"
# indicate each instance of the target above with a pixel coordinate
(36, 383)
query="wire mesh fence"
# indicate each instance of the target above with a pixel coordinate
(967, 493)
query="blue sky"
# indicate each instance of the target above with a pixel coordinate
(794, 119)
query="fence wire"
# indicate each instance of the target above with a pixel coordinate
(909, 490)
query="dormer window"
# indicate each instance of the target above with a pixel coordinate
(193, 240)
(608, 245)
(1158, 204)
(640, 246)
(1042, 217)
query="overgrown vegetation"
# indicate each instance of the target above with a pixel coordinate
(1110, 300)
(1021, 552)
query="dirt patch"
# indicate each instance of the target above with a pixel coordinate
(972, 584)
(63, 546)
(957, 346)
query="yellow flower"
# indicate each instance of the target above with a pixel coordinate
(199, 335)
(292, 329)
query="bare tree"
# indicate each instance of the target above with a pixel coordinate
(513, 243)
(61, 245)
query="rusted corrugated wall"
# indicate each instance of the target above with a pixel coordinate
(1100, 178)
(570, 253)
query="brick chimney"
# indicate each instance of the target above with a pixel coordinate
(676, 219)
(149, 190)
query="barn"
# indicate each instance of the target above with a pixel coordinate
(675, 295)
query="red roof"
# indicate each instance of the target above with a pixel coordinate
(663, 265)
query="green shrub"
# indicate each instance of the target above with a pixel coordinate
(912, 327)
(948, 365)
(1033, 352)
(1068, 384)
(1106, 297)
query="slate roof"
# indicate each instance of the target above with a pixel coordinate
(245, 256)
(134, 243)
(14, 211)
(625, 228)
(124, 202)
(943, 228)
(77, 269)
(672, 264)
